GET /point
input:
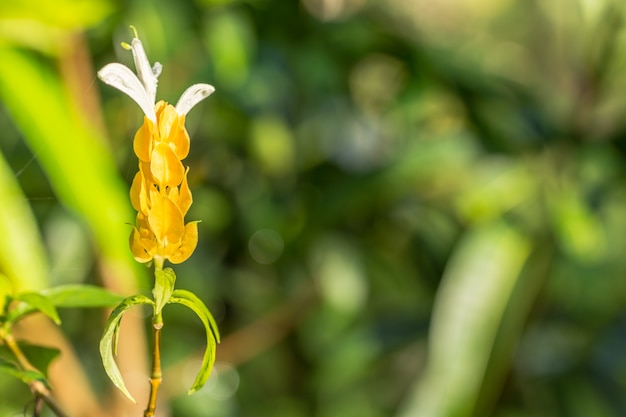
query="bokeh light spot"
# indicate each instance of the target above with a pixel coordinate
(266, 246)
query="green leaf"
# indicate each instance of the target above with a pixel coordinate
(48, 299)
(30, 302)
(81, 296)
(38, 356)
(190, 300)
(25, 376)
(164, 280)
(72, 15)
(22, 254)
(471, 302)
(108, 342)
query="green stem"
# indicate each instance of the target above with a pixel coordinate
(37, 387)
(156, 376)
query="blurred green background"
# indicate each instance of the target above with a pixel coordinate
(409, 208)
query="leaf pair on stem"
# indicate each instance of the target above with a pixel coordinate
(164, 293)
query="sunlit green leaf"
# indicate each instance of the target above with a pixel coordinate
(63, 13)
(190, 300)
(31, 302)
(164, 280)
(22, 255)
(81, 296)
(108, 340)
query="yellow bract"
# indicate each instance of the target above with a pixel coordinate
(160, 192)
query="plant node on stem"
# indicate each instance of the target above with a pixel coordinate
(156, 376)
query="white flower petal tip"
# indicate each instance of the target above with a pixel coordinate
(192, 96)
(121, 77)
(142, 87)
(147, 75)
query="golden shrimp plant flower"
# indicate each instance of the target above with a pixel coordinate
(159, 191)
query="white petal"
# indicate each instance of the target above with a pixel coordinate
(146, 75)
(192, 96)
(121, 77)
(156, 69)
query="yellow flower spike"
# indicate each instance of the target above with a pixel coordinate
(144, 167)
(166, 221)
(179, 140)
(159, 192)
(143, 243)
(172, 130)
(165, 167)
(188, 244)
(142, 144)
(159, 107)
(138, 248)
(184, 195)
(168, 121)
(139, 193)
(137, 189)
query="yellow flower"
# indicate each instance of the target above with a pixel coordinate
(159, 191)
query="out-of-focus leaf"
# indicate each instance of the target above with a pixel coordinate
(67, 14)
(81, 296)
(108, 342)
(190, 300)
(22, 256)
(62, 296)
(273, 146)
(497, 186)
(231, 44)
(470, 305)
(6, 289)
(25, 376)
(30, 302)
(579, 229)
(80, 168)
(38, 356)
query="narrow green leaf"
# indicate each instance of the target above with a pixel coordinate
(48, 299)
(164, 280)
(190, 300)
(39, 356)
(81, 296)
(25, 376)
(471, 301)
(30, 302)
(108, 341)
(22, 254)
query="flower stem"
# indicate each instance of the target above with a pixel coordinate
(156, 375)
